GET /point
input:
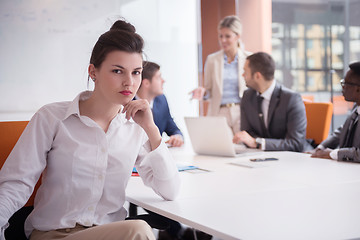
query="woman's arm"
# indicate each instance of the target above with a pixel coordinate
(24, 165)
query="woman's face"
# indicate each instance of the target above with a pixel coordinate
(119, 77)
(228, 40)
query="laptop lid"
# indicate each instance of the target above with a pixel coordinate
(210, 136)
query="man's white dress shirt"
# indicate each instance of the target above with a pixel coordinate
(85, 170)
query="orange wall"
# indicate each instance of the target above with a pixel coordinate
(256, 18)
(212, 11)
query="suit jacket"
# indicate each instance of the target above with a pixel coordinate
(162, 117)
(213, 78)
(286, 120)
(337, 139)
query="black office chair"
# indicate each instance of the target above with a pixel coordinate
(15, 231)
(154, 220)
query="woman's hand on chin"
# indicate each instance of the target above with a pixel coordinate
(139, 111)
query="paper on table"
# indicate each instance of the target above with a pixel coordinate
(180, 167)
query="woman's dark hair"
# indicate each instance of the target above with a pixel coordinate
(122, 37)
(263, 63)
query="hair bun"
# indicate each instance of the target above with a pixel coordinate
(123, 26)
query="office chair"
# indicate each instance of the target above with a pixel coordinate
(10, 133)
(341, 106)
(318, 120)
(307, 98)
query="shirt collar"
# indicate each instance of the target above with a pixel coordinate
(74, 108)
(358, 110)
(267, 94)
(226, 58)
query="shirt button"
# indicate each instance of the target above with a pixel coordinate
(101, 177)
(91, 208)
(87, 223)
(103, 150)
(67, 230)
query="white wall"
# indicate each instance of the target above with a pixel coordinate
(45, 48)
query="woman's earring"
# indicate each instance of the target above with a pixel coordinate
(94, 79)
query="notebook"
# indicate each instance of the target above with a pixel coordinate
(212, 136)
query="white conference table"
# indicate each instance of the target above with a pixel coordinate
(296, 197)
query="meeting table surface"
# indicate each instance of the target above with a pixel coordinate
(294, 197)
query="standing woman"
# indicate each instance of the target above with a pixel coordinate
(223, 81)
(86, 150)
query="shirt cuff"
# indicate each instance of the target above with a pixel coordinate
(162, 162)
(321, 147)
(263, 143)
(179, 136)
(334, 154)
(207, 95)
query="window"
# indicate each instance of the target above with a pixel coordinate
(313, 43)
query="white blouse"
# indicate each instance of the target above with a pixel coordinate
(85, 170)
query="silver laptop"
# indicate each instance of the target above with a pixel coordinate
(213, 136)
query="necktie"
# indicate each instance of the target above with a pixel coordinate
(351, 130)
(261, 115)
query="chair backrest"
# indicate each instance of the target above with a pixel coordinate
(10, 133)
(308, 98)
(318, 120)
(341, 106)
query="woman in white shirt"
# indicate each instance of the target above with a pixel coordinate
(86, 150)
(223, 81)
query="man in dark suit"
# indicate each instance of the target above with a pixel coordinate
(272, 116)
(347, 137)
(151, 89)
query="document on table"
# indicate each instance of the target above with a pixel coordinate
(181, 167)
(190, 168)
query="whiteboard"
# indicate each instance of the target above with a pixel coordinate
(46, 45)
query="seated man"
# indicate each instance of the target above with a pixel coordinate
(347, 137)
(272, 116)
(151, 89)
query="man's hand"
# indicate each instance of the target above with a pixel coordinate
(175, 140)
(244, 137)
(319, 153)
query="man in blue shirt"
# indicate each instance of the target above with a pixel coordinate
(151, 89)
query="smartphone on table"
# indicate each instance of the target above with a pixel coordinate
(263, 159)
